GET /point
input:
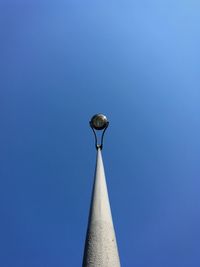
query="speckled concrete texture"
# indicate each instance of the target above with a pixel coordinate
(100, 246)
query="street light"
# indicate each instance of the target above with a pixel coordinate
(99, 122)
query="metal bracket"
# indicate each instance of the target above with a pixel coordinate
(102, 136)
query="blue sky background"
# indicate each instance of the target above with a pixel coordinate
(139, 63)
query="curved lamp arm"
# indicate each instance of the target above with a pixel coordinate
(102, 136)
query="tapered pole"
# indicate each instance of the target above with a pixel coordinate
(100, 245)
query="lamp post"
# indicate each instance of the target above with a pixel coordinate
(100, 244)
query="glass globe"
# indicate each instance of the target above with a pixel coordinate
(99, 121)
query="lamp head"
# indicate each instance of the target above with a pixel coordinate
(99, 122)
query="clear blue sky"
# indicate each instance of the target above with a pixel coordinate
(139, 63)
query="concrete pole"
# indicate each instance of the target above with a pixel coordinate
(100, 245)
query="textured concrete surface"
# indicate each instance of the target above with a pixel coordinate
(100, 246)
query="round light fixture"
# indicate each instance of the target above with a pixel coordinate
(99, 122)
